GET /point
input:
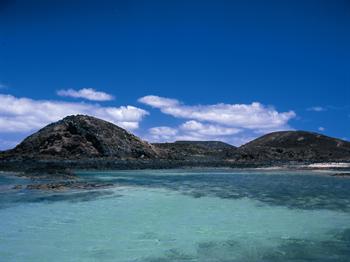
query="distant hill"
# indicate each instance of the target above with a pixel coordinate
(218, 145)
(195, 149)
(83, 136)
(296, 146)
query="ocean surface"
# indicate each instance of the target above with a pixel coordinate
(180, 215)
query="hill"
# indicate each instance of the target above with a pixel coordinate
(188, 150)
(296, 146)
(85, 142)
(81, 136)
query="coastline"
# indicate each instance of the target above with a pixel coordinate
(65, 167)
(63, 175)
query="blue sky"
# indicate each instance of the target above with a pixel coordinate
(167, 70)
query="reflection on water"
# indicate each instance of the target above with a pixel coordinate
(173, 216)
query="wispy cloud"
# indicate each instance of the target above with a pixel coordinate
(25, 114)
(317, 109)
(159, 102)
(249, 116)
(86, 93)
(3, 86)
(321, 128)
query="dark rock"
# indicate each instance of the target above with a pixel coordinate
(66, 185)
(84, 142)
(182, 150)
(79, 136)
(298, 146)
(341, 174)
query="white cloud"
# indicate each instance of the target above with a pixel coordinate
(171, 134)
(232, 123)
(190, 130)
(86, 93)
(248, 116)
(196, 127)
(321, 128)
(316, 109)
(159, 102)
(196, 131)
(163, 130)
(24, 114)
(162, 133)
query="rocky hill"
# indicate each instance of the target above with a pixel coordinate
(86, 142)
(296, 146)
(80, 136)
(196, 150)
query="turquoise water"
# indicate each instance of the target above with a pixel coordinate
(180, 215)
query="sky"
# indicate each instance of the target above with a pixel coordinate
(176, 70)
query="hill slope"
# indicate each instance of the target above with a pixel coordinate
(83, 136)
(296, 146)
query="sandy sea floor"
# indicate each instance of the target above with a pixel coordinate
(180, 215)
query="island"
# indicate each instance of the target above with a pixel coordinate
(85, 142)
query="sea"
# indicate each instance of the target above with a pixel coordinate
(204, 215)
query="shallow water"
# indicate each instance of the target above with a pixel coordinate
(180, 215)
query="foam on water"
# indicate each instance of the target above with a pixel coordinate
(166, 220)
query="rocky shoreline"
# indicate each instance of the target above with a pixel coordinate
(81, 142)
(61, 175)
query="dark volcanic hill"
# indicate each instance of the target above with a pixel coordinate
(80, 136)
(196, 150)
(296, 146)
(88, 142)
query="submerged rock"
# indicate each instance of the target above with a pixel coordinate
(61, 186)
(341, 174)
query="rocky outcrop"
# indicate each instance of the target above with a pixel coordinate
(81, 137)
